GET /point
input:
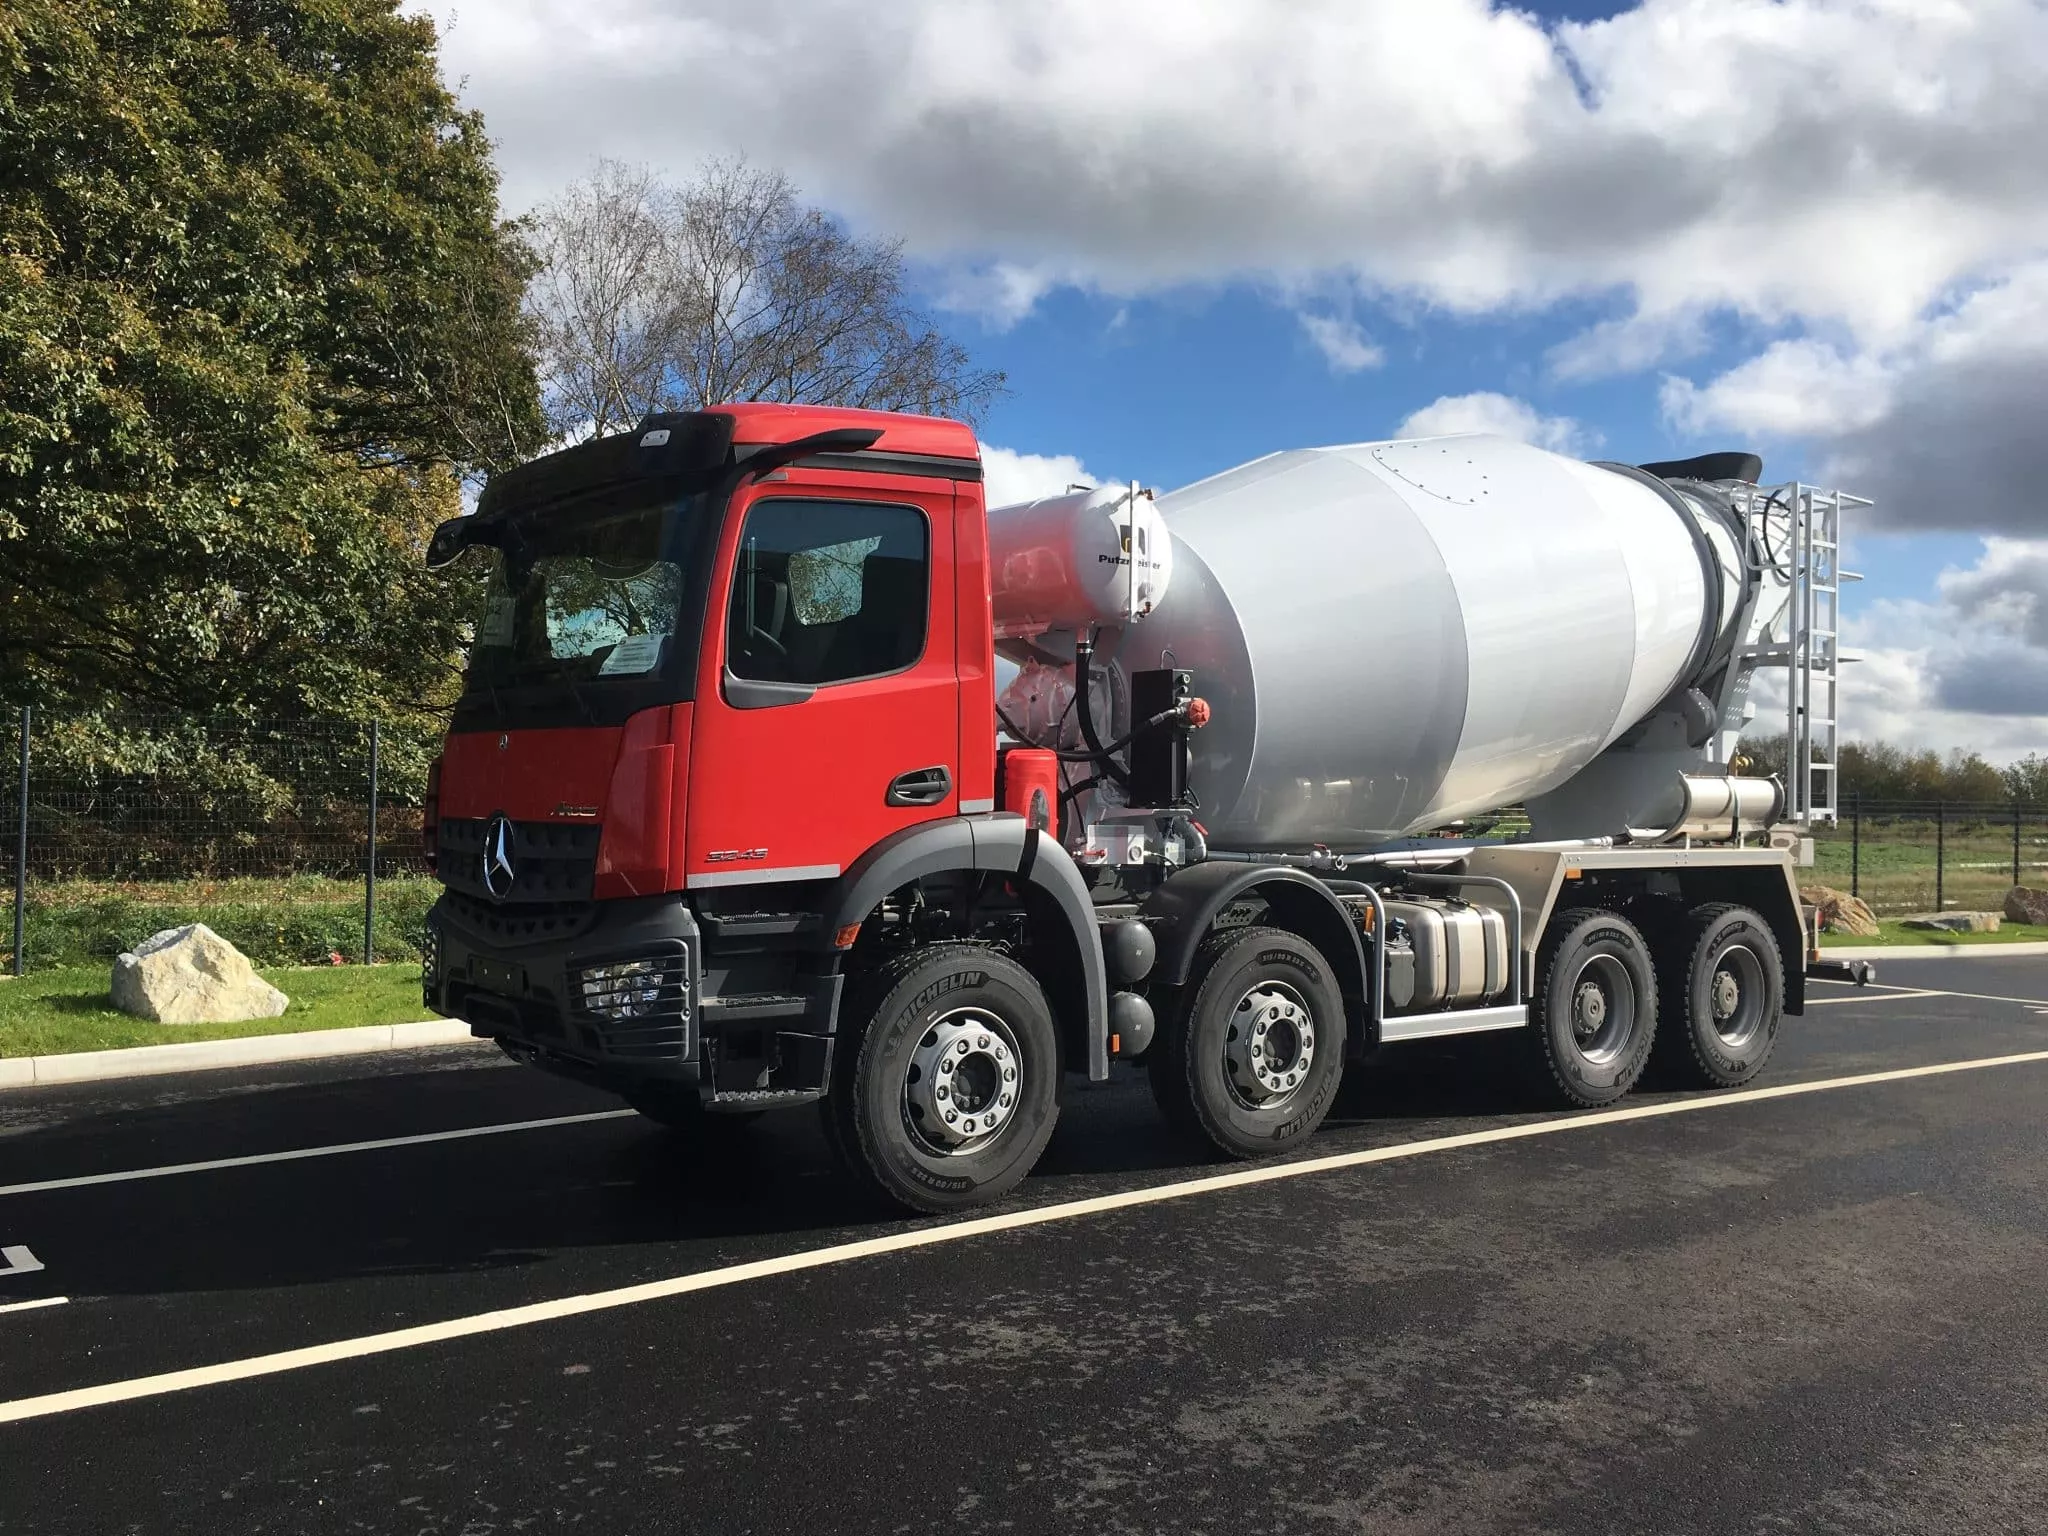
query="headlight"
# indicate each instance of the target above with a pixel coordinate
(631, 989)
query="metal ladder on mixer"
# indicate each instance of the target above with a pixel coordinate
(1797, 531)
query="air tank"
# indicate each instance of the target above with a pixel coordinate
(1393, 636)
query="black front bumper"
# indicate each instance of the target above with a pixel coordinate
(519, 975)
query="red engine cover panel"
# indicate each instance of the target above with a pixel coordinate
(528, 775)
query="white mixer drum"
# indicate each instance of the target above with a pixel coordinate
(1395, 635)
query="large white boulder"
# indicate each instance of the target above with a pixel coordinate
(191, 975)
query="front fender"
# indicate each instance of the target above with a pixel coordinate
(995, 844)
(1183, 912)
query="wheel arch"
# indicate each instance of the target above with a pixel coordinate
(1183, 912)
(1056, 903)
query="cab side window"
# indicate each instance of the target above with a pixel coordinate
(828, 591)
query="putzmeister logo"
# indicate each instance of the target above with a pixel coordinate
(498, 856)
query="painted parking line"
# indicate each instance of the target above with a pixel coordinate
(926, 1237)
(1875, 993)
(301, 1154)
(1872, 995)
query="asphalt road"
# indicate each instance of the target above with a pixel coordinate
(1822, 1311)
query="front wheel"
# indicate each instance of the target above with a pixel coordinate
(949, 1090)
(1594, 1016)
(1251, 1057)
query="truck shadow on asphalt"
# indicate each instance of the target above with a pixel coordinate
(590, 1205)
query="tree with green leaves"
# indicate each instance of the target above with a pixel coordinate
(259, 315)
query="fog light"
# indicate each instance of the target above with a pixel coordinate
(629, 989)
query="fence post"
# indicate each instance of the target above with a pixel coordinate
(370, 862)
(21, 852)
(1856, 844)
(1940, 852)
(2015, 842)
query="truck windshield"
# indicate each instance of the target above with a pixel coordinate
(583, 610)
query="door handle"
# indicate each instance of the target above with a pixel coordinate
(920, 786)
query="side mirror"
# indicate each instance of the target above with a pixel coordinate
(449, 541)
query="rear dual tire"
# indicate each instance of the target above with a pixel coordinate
(1722, 977)
(1593, 1020)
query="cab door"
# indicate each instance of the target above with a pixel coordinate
(828, 698)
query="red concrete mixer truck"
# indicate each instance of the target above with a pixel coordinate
(786, 772)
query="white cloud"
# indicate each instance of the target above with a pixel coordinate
(1840, 160)
(1942, 424)
(1797, 388)
(1345, 347)
(1502, 415)
(1009, 477)
(1967, 669)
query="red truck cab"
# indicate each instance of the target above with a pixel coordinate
(732, 688)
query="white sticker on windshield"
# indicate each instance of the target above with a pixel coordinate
(634, 654)
(655, 438)
(496, 628)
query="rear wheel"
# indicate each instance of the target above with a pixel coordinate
(1723, 984)
(949, 1090)
(1252, 1053)
(1594, 1016)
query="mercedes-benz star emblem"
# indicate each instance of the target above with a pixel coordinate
(498, 856)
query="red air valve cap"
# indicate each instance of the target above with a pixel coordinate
(1198, 713)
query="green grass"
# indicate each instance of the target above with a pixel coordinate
(301, 920)
(49, 1012)
(1895, 933)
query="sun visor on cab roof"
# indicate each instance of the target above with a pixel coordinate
(675, 445)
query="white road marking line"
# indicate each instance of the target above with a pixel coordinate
(299, 1154)
(18, 1261)
(30, 1306)
(1896, 995)
(1878, 993)
(926, 1237)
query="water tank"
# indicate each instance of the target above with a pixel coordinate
(1397, 635)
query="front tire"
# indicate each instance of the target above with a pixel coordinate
(1594, 1017)
(1723, 983)
(1251, 1057)
(949, 1090)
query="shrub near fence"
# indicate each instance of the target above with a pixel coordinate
(263, 830)
(1904, 857)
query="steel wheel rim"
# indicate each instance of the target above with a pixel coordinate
(963, 1084)
(1269, 1044)
(1603, 1009)
(1735, 996)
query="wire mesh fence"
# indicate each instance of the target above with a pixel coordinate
(1907, 857)
(298, 841)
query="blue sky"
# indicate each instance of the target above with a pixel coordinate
(1196, 231)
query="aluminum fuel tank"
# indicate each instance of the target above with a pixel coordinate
(1396, 635)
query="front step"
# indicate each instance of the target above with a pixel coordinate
(739, 1007)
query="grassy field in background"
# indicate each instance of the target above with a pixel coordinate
(1895, 869)
(49, 1012)
(301, 920)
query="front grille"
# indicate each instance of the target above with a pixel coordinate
(551, 863)
(525, 923)
(661, 1030)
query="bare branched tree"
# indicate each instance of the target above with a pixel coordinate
(656, 297)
